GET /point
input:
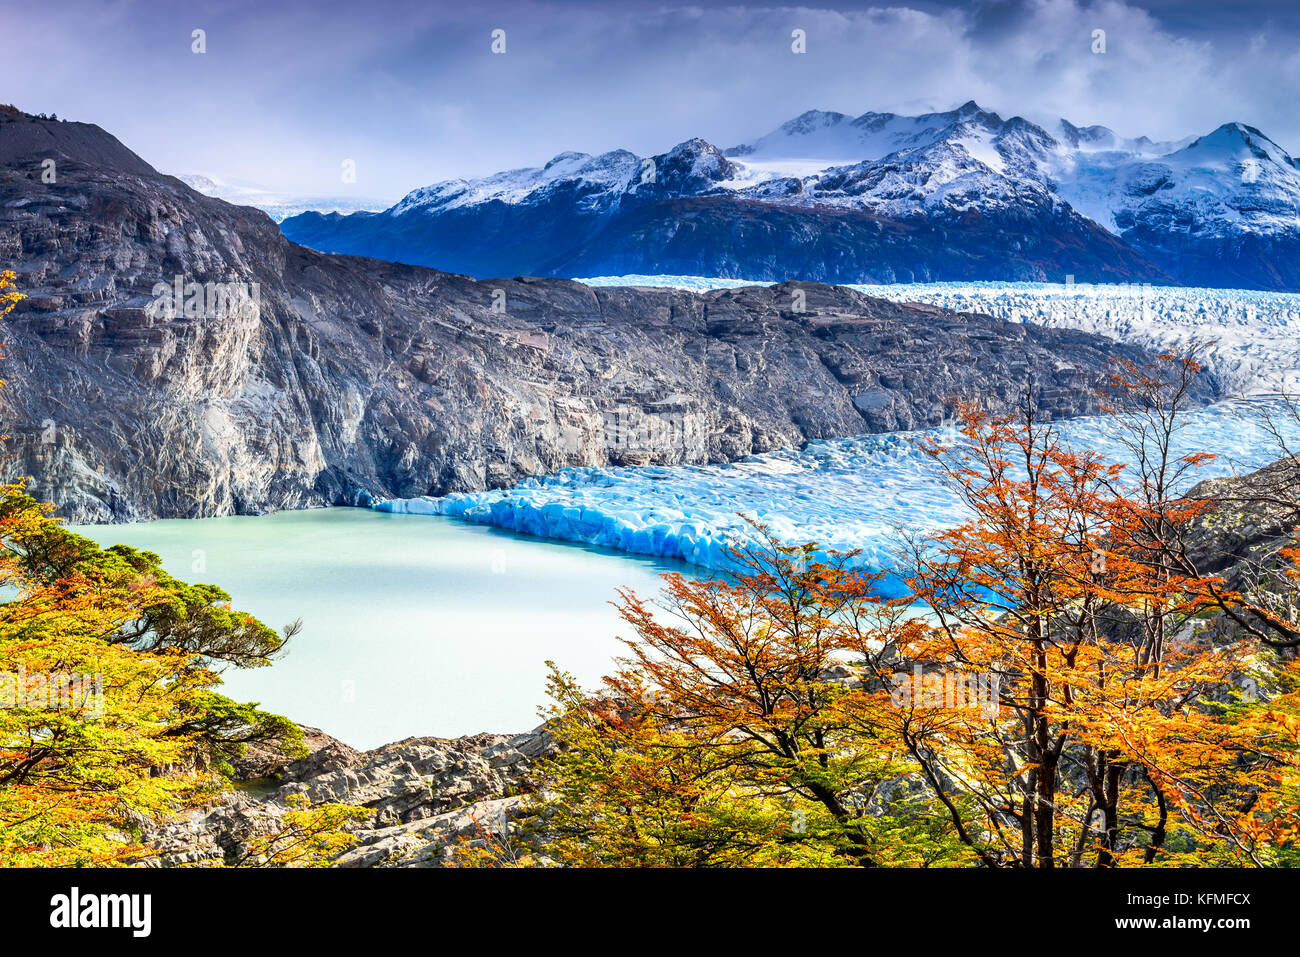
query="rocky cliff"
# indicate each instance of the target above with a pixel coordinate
(179, 357)
(426, 795)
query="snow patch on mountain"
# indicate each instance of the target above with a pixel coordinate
(612, 172)
(1233, 180)
(837, 139)
(1222, 209)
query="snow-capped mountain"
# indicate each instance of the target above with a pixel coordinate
(962, 194)
(1236, 178)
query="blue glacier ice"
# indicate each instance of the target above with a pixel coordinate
(843, 494)
(854, 493)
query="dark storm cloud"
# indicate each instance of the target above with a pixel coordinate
(412, 93)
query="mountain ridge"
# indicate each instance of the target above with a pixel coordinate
(1219, 209)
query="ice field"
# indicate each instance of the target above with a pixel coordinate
(1251, 338)
(843, 494)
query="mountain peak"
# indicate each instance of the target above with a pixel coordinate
(567, 157)
(1234, 140)
(27, 137)
(811, 120)
(693, 164)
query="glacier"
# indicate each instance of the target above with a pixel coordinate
(844, 494)
(1250, 338)
(856, 493)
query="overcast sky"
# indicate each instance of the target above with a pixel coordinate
(412, 92)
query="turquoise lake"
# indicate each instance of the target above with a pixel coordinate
(412, 625)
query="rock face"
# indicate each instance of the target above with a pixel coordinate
(1253, 518)
(351, 379)
(426, 794)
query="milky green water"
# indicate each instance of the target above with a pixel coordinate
(412, 625)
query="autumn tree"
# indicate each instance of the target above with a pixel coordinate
(90, 720)
(1060, 702)
(743, 729)
(110, 717)
(9, 296)
(1258, 598)
(309, 836)
(1111, 744)
(193, 618)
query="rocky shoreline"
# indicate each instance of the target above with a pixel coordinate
(426, 794)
